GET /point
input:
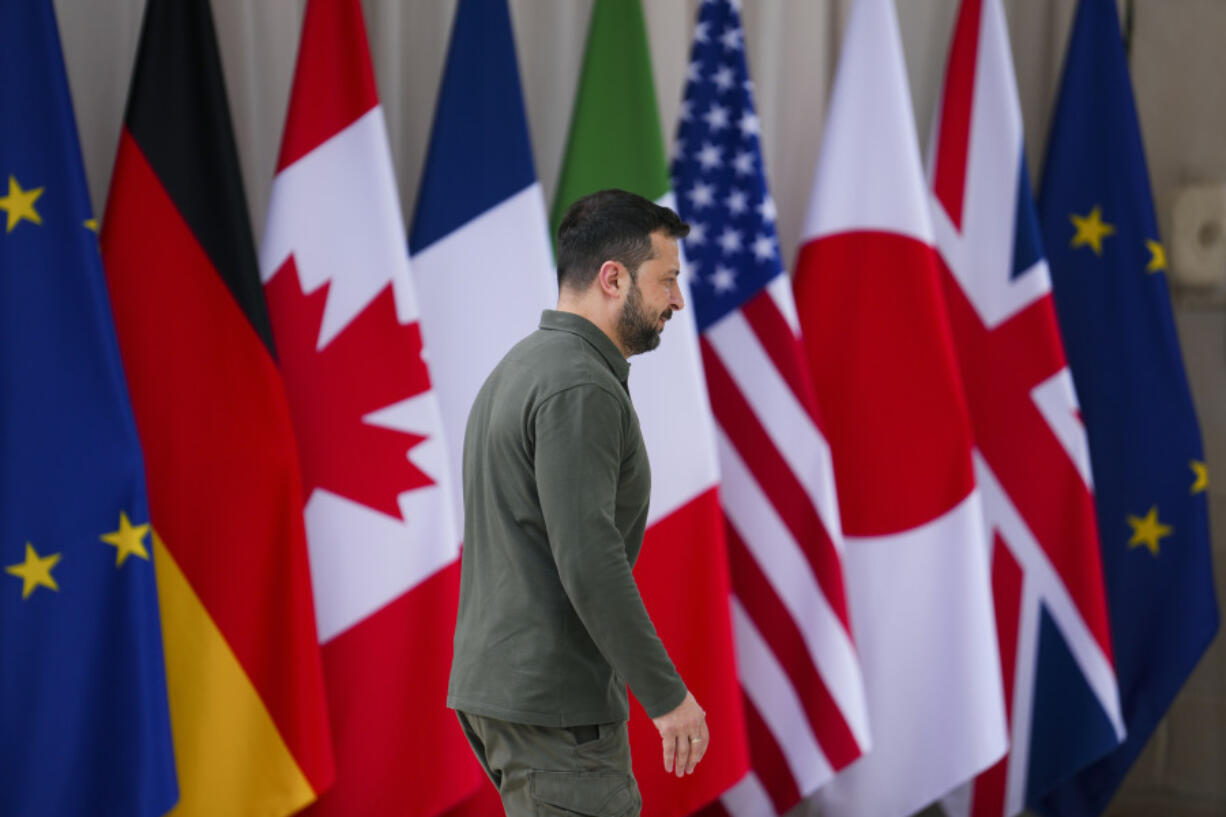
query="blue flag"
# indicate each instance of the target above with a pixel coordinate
(479, 154)
(83, 711)
(480, 235)
(1150, 479)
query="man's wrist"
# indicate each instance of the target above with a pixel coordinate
(666, 703)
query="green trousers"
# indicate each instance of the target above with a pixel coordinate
(544, 771)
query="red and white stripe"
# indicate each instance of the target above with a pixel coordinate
(799, 671)
(685, 538)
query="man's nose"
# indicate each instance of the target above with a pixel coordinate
(676, 300)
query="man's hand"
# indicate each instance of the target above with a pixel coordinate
(685, 736)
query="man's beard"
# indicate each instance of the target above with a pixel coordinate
(635, 327)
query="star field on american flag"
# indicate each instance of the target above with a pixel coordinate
(806, 714)
(732, 250)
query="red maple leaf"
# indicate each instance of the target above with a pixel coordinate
(374, 362)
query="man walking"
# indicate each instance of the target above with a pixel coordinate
(551, 626)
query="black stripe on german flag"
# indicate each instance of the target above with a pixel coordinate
(179, 115)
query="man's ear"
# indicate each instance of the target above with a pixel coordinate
(612, 278)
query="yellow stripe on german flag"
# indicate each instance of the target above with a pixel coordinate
(230, 757)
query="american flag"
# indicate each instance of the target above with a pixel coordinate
(799, 672)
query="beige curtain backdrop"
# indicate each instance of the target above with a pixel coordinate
(1178, 63)
(792, 46)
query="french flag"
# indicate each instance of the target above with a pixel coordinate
(482, 261)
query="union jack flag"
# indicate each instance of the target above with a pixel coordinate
(1031, 460)
(799, 672)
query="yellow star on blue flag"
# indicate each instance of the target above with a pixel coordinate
(1148, 531)
(18, 205)
(1157, 256)
(1200, 481)
(128, 540)
(1091, 230)
(35, 571)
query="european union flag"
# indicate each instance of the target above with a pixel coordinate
(1115, 314)
(84, 723)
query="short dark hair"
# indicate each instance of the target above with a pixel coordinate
(610, 225)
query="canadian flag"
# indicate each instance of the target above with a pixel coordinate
(878, 341)
(380, 527)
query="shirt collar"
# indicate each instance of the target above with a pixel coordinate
(581, 326)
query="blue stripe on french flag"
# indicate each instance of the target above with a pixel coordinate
(482, 259)
(479, 151)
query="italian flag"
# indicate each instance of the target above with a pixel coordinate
(615, 141)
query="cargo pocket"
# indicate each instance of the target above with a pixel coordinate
(595, 794)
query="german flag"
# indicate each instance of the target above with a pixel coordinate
(246, 690)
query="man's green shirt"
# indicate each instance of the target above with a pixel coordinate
(551, 626)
